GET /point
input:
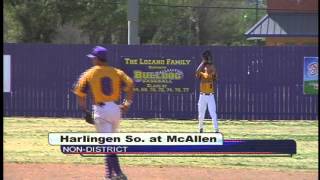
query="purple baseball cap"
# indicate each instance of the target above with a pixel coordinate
(99, 52)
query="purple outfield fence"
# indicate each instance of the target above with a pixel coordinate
(254, 82)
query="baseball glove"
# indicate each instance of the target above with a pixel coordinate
(88, 117)
(125, 105)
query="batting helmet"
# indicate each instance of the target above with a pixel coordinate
(207, 56)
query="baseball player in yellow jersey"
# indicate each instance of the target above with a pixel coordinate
(207, 74)
(104, 83)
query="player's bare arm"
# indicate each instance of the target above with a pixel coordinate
(212, 69)
(200, 68)
(80, 90)
(215, 74)
(129, 92)
(82, 103)
(128, 100)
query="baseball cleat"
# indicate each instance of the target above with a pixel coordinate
(201, 130)
(120, 177)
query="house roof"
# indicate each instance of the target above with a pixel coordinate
(285, 25)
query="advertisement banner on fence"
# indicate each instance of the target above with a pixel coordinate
(6, 73)
(161, 75)
(310, 75)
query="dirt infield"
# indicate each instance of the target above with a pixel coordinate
(14, 171)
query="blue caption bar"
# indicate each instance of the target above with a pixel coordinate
(228, 147)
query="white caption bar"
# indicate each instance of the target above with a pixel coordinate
(135, 139)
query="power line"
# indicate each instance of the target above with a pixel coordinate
(192, 6)
(221, 7)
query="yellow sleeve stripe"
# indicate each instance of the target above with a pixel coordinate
(79, 93)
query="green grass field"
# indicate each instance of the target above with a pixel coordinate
(309, 87)
(26, 141)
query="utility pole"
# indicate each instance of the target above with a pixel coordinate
(133, 22)
(257, 6)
